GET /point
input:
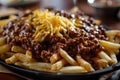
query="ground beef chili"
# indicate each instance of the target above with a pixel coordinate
(20, 32)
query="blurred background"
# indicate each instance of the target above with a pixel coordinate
(106, 11)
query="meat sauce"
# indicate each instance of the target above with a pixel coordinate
(20, 32)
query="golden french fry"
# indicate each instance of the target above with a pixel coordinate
(6, 55)
(110, 46)
(103, 55)
(18, 57)
(117, 38)
(11, 60)
(113, 57)
(74, 9)
(29, 56)
(18, 49)
(1, 29)
(38, 66)
(58, 65)
(73, 69)
(84, 63)
(11, 17)
(111, 34)
(102, 63)
(98, 22)
(21, 57)
(68, 58)
(3, 22)
(54, 58)
(4, 48)
(2, 41)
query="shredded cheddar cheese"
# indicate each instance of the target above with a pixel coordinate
(49, 23)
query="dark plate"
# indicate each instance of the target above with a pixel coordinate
(42, 75)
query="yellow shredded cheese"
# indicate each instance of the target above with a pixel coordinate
(49, 23)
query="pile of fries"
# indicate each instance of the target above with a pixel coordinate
(23, 58)
(18, 56)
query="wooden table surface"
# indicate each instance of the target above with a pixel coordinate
(68, 4)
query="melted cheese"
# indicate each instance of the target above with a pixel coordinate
(49, 23)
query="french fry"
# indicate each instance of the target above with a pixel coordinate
(54, 58)
(6, 55)
(73, 69)
(21, 57)
(3, 22)
(58, 65)
(113, 57)
(11, 60)
(29, 56)
(18, 57)
(68, 58)
(38, 66)
(103, 55)
(2, 41)
(117, 38)
(18, 49)
(98, 22)
(4, 48)
(1, 29)
(84, 63)
(110, 46)
(74, 9)
(102, 63)
(111, 34)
